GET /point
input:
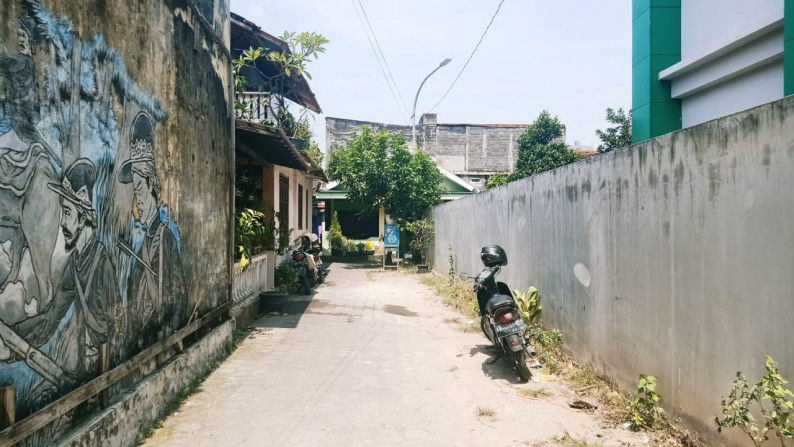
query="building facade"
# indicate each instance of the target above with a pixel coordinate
(694, 61)
(472, 152)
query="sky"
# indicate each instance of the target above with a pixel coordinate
(570, 57)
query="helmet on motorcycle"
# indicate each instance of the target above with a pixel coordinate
(493, 255)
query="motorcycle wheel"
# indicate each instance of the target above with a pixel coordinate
(319, 278)
(520, 359)
(306, 285)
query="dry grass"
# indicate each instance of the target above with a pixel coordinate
(457, 295)
(534, 393)
(486, 413)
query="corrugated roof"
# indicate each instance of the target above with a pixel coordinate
(245, 34)
(270, 143)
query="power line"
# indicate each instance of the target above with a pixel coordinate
(380, 65)
(383, 56)
(470, 56)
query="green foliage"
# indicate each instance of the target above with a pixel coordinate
(360, 247)
(529, 304)
(302, 48)
(315, 154)
(377, 169)
(543, 130)
(537, 151)
(495, 180)
(643, 409)
(351, 247)
(252, 233)
(737, 412)
(618, 135)
(423, 231)
(284, 232)
(548, 344)
(337, 240)
(285, 277)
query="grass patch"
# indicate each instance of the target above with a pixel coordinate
(486, 413)
(534, 393)
(567, 440)
(457, 295)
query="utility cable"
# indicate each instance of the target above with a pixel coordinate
(383, 56)
(380, 65)
(470, 56)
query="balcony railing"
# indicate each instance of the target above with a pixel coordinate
(248, 284)
(256, 106)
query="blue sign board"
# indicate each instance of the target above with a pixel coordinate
(391, 236)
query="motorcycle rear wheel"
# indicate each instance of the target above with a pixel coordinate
(520, 360)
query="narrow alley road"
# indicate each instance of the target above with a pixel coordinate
(372, 361)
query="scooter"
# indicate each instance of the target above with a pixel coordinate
(501, 320)
(309, 273)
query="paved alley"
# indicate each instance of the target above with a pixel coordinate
(371, 361)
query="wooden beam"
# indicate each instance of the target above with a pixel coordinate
(7, 406)
(53, 411)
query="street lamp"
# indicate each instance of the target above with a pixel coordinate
(413, 115)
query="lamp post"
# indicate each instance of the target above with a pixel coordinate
(413, 114)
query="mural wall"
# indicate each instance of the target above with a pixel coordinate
(104, 233)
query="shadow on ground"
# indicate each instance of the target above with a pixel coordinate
(496, 368)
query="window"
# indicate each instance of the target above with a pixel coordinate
(283, 198)
(301, 211)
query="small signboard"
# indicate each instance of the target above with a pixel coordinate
(391, 242)
(391, 236)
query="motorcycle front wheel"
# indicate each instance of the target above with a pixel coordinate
(520, 360)
(306, 284)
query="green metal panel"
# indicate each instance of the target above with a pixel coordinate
(656, 45)
(788, 48)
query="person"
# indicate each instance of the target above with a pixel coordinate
(85, 311)
(156, 288)
(19, 97)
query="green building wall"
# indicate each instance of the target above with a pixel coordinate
(788, 48)
(656, 29)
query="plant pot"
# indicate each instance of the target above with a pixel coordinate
(422, 268)
(272, 301)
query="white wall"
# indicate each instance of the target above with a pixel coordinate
(731, 57)
(709, 24)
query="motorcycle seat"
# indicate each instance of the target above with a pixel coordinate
(497, 302)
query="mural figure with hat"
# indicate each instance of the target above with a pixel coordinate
(86, 306)
(156, 286)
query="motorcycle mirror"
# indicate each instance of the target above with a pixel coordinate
(463, 276)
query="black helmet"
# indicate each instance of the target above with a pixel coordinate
(493, 255)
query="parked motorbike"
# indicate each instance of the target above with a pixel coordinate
(501, 320)
(306, 260)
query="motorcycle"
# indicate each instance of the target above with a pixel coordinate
(501, 320)
(306, 260)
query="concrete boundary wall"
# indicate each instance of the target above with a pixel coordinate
(672, 257)
(122, 423)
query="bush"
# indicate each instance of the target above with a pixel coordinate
(285, 277)
(423, 231)
(351, 247)
(252, 233)
(360, 247)
(337, 240)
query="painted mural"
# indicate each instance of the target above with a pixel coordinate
(89, 252)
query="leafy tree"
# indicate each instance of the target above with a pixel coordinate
(377, 168)
(537, 150)
(495, 180)
(617, 136)
(423, 231)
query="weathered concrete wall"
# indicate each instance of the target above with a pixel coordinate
(683, 247)
(121, 425)
(471, 151)
(115, 174)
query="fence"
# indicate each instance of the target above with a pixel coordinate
(671, 257)
(248, 284)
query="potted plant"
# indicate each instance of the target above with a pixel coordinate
(423, 232)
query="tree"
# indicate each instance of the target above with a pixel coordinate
(537, 149)
(617, 136)
(423, 231)
(377, 168)
(495, 180)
